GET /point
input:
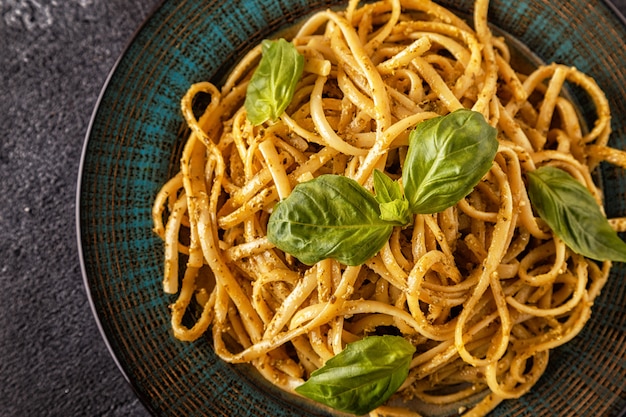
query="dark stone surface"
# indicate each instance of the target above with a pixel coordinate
(54, 58)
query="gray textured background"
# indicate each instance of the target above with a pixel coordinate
(54, 58)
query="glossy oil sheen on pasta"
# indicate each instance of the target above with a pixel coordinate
(484, 290)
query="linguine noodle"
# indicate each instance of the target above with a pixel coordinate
(484, 289)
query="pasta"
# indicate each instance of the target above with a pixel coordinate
(484, 290)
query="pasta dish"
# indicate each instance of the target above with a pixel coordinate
(481, 286)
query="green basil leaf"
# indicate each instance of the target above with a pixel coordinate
(447, 157)
(394, 207)
(386, 189)
(573, 214)
(396, 212)
(331, 216)
(363, 376)
(273, 83)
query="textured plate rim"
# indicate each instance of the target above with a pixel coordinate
(79, 184)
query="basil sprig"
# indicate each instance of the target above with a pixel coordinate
(331, 216)
(334, 217)
(363, 376)
(573, 214)
(447, 157)
(273, 83)
(394, 207)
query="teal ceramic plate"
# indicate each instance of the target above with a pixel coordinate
(132, 147)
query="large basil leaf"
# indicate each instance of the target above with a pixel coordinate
(331, 216)
(573, 214)
(363, 376)
(447, 157)
(273, 83)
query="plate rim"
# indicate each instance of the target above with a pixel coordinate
(77, 203)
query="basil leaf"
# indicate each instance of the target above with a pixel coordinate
(273, 83)
(394, 207)
(396, 212)
(363, 376)
(447, 157)
(573, 214)
(386, 189)
(331, 216)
